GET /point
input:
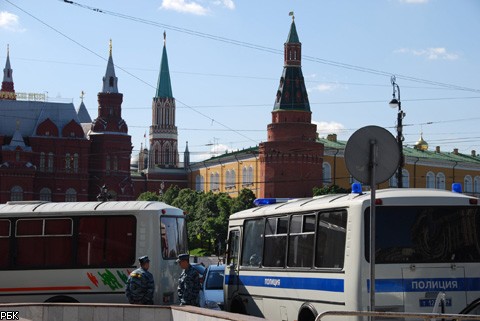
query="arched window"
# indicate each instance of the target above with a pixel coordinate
(467, 184)
(75, 163)
(50, 162)
(244, 176)
(42, 162)
(110, 81)
(115, 163)
(217, 181)
(326, 174)
(430, 180)
(46, 194)
(405, 178)
(233, 178)
(167, 156)
(67, 162)
(16, 193)
(199, 183)
(227, 179)
(70, 195)
(250, 175)
(476, 185)
(440, 181)
(212, 181)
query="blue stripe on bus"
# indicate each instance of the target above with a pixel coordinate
(322, 284)
(337, 285)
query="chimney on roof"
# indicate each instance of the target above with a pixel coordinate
(474, 153)
(455, 151)
(332, 137)
(437, 149)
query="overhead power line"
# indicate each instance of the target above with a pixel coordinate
(268, 49)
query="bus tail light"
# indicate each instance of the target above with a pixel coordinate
(473, 201)
(378, 201)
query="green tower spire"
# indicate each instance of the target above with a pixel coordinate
(164, 86)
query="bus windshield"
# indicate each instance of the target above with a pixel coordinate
(424, 234)
(174, 236)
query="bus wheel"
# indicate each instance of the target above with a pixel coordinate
(306, 314)
(237, 307)
(61, 299)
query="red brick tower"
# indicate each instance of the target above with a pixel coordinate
(111, 146)
(163, 132)
(291, 159)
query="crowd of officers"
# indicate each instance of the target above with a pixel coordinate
(140, 284)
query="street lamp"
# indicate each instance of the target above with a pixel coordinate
(394, 103)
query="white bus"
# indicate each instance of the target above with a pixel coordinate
(84, 251)
(294, 260)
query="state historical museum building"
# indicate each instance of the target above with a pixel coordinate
(54, 152)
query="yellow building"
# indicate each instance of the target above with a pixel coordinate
(424, 168)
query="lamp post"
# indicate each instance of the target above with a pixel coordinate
(394, 103)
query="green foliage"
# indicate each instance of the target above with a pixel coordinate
(332, 189)
(243, 201)
(148, 196)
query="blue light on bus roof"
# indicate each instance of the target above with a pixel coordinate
(264, 201)
(357, 188)
(457, 187)
(268, 201)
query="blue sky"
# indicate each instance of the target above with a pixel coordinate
(225, 59)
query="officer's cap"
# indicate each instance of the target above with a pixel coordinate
(143, 259)
(183, 257)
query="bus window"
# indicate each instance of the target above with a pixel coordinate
(91, 235)
(331, 235)
(106, 240)
(425, 234)
(174, 239)
(44, 242)
(4, 243)
(252, 243)
(300, 240)
(120, 241)
(275, 241)
(233, 244)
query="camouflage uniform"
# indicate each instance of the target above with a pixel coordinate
(140, 287)
(189, 287)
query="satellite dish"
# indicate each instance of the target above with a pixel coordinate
(372, 144)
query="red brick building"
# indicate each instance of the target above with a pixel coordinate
(54, 152)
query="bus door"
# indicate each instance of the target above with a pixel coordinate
(425, 288)
(231, 273)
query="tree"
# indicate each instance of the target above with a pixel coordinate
(332, 189)
(148, 196)
(243, 201)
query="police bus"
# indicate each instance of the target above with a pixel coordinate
(296, 259)
(84, 251)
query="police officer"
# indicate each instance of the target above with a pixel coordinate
(140, 285)
(188, 283)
